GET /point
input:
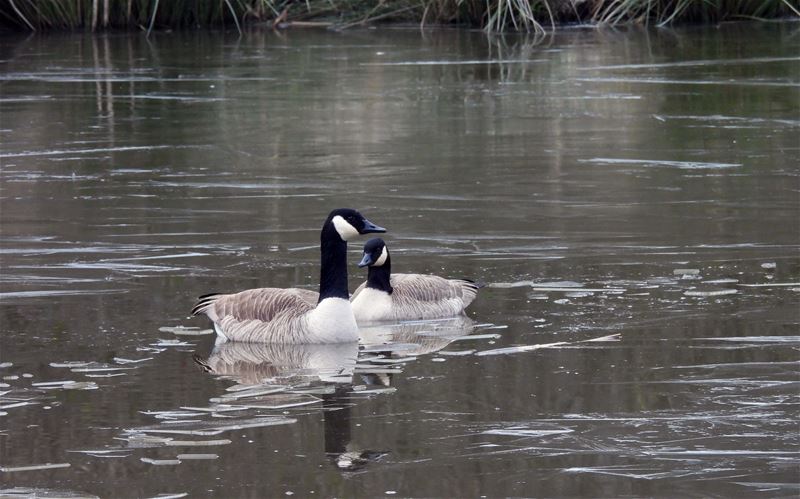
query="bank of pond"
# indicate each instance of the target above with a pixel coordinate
(492, 16)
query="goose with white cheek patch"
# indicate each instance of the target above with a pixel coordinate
(292, 315)
(393, 297)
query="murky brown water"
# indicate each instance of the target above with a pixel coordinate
(638, 189)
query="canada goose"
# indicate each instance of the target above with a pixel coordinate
(277, 315)
(391, 297)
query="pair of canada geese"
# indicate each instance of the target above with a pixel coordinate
(293, 315)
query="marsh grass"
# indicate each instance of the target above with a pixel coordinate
(491, 15)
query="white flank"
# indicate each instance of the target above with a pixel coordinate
(332, 321)
(372, 305)
(343, 227)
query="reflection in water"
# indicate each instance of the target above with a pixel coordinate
(415, 337)
(259, 363)
(324, 370)
(337, 429)
(397, 344)
(281, 373)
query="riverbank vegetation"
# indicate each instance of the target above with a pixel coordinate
(491, 15)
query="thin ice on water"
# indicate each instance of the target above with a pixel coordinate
(34, 467)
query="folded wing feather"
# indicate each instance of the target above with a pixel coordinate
(432, 288)
(261, 312)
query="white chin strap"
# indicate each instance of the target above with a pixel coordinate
(382, 259)
(343, 227)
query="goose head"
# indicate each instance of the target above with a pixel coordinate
(375, 253)
(349, 223)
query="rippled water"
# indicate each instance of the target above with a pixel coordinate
(629, 199)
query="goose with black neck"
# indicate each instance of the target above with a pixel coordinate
(394, 297)
(293, 315)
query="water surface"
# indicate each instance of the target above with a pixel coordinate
(629, 199)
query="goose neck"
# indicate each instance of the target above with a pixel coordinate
(379, 277)
(333, 265)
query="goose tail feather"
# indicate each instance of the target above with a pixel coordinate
(469, 290)
(204, 303)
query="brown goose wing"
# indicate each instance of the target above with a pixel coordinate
(260, 304)
(425, 288)
(418, 296)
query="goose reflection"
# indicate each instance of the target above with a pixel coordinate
(272, 376)
(342, 452)
(326, 371)
(405, 340)
(415, 338)
(264, 363)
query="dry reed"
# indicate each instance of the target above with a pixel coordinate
(491, 15)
